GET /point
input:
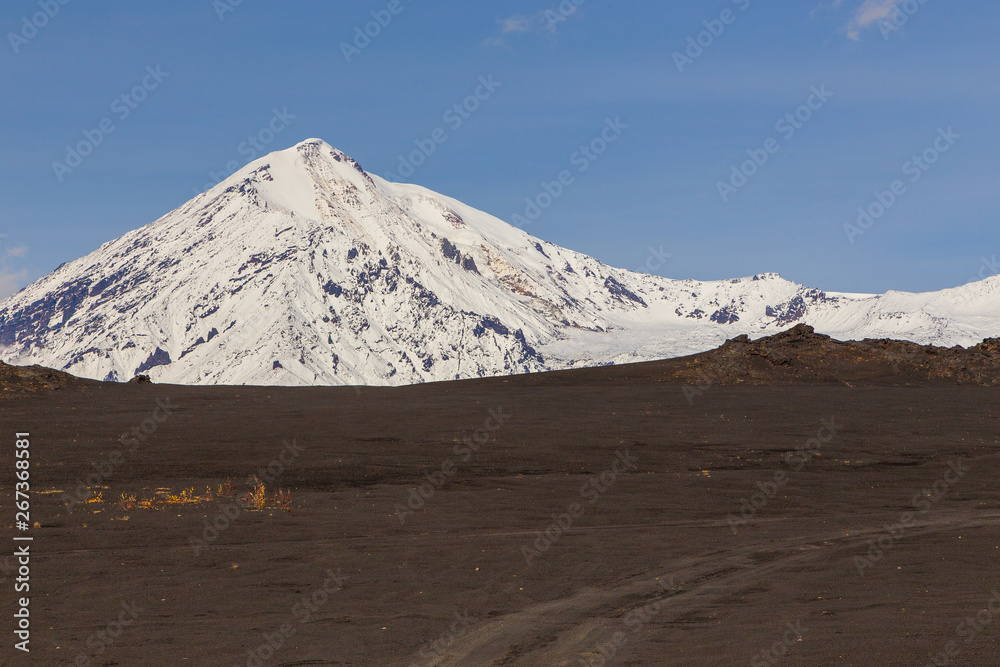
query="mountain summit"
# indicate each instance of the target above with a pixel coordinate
(304, 269)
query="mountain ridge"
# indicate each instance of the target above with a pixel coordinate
(302, 268)
(796, 356)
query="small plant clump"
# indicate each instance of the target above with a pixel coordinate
(126, 502)
(255, 499)
(283, 499)
(186, 496)
(226, 489)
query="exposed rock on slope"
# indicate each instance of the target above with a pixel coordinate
(802, 356)
(16, 381)
(304, 269)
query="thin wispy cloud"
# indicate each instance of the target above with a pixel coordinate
(825, 7)
(543, 23)
(517, 23)
(870, 13)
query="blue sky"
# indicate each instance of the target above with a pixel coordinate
(895, 81)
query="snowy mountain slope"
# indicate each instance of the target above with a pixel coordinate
(303, 269)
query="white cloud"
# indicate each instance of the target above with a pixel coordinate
(870, 13)
(19, 251)
(542, 23)
(517, 23)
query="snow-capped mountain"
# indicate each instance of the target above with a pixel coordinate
(303, 269)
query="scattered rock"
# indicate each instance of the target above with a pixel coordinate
(802, 356)
(21, 380)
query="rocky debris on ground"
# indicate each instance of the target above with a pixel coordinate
(21, 380)
(802, 355)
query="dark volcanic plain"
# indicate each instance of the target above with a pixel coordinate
(662, 568)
